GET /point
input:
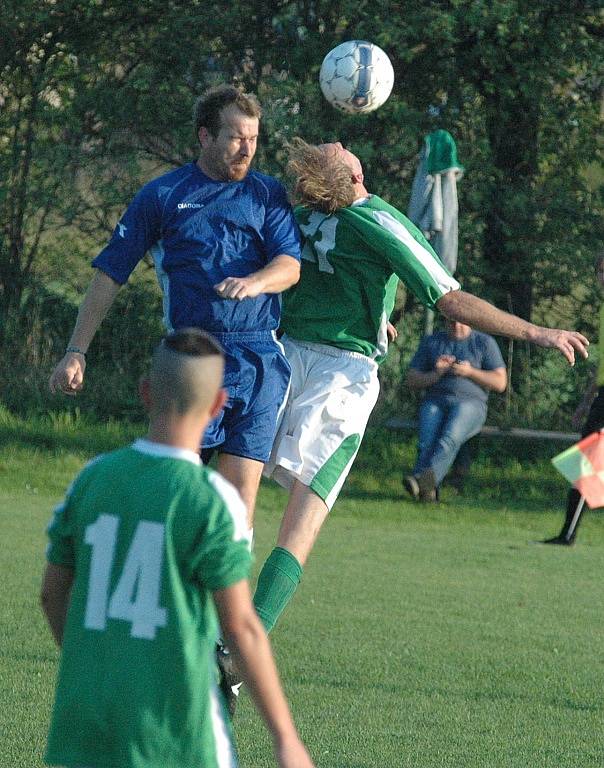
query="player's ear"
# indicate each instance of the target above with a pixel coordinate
(203, 135)
(219, 403)
(144, 390)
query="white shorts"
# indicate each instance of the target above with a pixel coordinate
(332, 393)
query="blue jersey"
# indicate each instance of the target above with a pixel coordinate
(200, 231)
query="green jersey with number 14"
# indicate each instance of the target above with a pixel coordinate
(351, 264)
(150, 535)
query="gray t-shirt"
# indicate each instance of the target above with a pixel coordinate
(478, 349)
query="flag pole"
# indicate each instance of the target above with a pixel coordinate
(575, 520)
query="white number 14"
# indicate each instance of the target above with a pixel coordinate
(326, 225)
(137, 593)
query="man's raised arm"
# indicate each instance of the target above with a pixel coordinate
(469, 309)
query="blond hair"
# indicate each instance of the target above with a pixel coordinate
(321, 181)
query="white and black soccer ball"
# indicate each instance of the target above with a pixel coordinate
(356, 77)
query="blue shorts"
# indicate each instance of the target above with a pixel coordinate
(256, 377)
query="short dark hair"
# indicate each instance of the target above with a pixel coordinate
(210, 104)
(193, 342)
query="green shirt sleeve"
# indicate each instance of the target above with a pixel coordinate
(408, 253)
(60, 549)
(61, 530)
(222, 557)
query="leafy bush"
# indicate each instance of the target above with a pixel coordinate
(117, 357)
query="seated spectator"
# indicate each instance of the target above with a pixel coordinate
(457, 367)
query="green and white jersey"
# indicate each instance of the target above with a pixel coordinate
(150, 535)
(351, 263)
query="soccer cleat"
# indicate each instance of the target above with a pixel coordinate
(230, 680)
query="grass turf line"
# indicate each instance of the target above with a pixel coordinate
(420, 636)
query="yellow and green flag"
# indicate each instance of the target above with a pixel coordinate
(583, 466)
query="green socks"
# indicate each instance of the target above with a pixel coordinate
(278, 580)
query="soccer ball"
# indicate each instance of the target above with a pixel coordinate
(356, 77)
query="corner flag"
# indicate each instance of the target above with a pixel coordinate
(583, 466)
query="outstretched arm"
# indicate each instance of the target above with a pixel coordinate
(68, 376)
(469, 309)
(281, 273)
(247, 640)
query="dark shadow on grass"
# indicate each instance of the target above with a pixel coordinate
(362, 494)
(85, 438)
(515, 496)
(506, 474)
(501, 503)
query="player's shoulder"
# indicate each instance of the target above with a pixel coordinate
(262, 182)
(103, 462)
(377, 203)
(166, 182)
(116, 462)
(109, 460)
(378, 210)
(225, 490)
(229, 498)
(263, 178)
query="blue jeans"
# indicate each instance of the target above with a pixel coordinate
(445, 424)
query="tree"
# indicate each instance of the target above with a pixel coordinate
(96, 98)
(529, 71)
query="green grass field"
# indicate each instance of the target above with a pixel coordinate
(421, 636)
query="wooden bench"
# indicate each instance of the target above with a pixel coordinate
(490, 431)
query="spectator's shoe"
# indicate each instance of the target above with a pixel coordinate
(560, 540)
(411, 485)
(421, 487)
(230, 680)
(426, 483)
